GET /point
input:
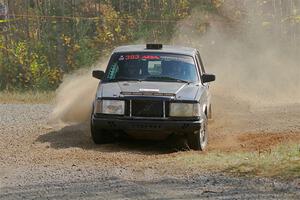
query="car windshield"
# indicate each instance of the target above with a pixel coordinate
(151, 67)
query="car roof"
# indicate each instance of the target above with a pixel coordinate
(165, 49)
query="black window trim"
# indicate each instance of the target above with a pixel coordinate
(198, 68)
(202, 68)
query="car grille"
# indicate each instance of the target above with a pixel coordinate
(146, 108)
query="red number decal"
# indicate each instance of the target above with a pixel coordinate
(149, 57)
(132, 57)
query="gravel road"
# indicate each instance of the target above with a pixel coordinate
(39, 161)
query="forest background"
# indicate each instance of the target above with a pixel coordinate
(42, 40)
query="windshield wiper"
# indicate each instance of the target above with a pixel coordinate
(166, 78)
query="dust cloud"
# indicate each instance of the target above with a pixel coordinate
(254, 55)
(255, 58)
(73, 103)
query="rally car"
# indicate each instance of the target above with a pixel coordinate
(153, 88)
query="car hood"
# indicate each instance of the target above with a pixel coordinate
(180, 91)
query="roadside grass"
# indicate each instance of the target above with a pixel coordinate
(282, 161)
(30, 97)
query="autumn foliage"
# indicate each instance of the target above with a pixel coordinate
(40, 41)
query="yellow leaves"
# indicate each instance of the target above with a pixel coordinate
(109, 34)
(202, 27)
(297, 19)
(54, 75)
(218, 3)
(118, 29)
(69, 59)
(76, 47)
(293, 19)
(29, 68)
(34, 67)
(20, 51)
(77, 20)
(182, 8)
(237, 14)
(266, 24)
(123, 38)
(111, 29)
(66, 40)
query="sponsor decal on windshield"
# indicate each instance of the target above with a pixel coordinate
(139, 57)
(185, 59)
(151, 57)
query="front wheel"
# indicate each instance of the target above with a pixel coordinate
(210, 115)
(198, 139)
(101, 136)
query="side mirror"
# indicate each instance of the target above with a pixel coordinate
(98, 74)
(208, 78)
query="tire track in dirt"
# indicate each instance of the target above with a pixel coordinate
(249, 142)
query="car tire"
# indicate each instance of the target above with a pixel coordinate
(101, 136)
(210, 115)
(198, 139)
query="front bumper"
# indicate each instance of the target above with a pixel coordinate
(147, 125)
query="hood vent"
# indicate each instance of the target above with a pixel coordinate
(147, 94)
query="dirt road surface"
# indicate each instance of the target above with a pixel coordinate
(39, 161)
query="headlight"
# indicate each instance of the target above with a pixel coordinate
(184, 109)
(114, 107)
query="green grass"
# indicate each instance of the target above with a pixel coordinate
(30, 97)
(281, 162)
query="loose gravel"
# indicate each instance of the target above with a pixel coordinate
(39, 161)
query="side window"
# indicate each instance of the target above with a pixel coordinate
(111, 74)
